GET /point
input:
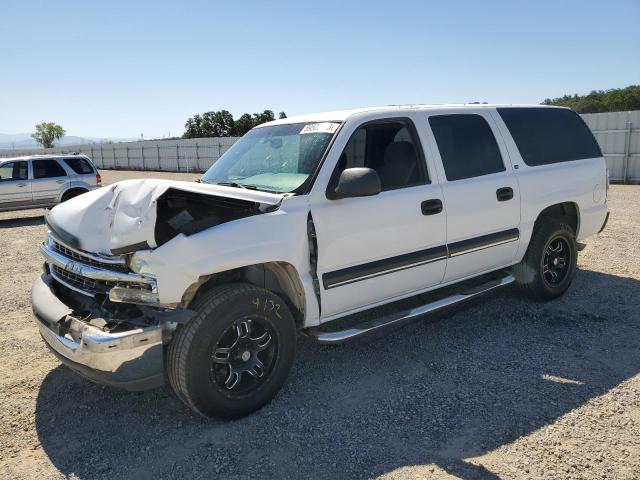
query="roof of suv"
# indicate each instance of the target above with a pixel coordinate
(44, 156)
(342, 115)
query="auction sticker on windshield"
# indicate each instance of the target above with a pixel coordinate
(324, 127)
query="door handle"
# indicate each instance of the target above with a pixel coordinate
(431, 207)
(60, 181)
(21, 185)
(505, 193)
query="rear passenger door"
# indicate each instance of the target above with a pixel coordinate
(481, 193)
(49, 180)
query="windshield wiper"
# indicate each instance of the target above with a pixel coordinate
(237, 185)
(248, 186)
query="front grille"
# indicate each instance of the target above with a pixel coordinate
(89, 285)
(72, 277)
(67, 252)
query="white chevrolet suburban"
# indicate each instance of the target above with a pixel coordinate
(312, 224)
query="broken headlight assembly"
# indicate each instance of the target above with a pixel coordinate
(140, 265)
(137, 295)
(133, 295)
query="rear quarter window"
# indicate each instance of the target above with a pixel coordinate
(549, 135)
(79, 165)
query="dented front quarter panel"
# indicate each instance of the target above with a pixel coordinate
(276, 236)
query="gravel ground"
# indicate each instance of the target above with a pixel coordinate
(504, 388)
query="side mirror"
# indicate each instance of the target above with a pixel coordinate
(357, 182)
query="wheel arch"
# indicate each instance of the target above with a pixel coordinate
(566, 211)
(281, 278)
(73, 190)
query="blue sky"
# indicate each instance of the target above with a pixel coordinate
(119, 69)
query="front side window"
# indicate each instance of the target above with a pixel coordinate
(79, 165)
(279, 159)
(549, 135)
(467, 146)
(390, 148)
(47, 169)
(13, 171)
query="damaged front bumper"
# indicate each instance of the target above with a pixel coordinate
(130, 358)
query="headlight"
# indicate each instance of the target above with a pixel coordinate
(133, 295)
(139, 265)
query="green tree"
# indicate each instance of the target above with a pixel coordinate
(193, 127)
(264, 117)
(613, 100)
(217, 124)
(47, 133)
(243, 125)
(222, 124)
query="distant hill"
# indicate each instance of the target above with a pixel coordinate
(597, 101)
(24, 140)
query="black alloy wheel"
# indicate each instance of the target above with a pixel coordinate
(244, 356)
(556, 261)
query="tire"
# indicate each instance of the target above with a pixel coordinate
(534, 275)
(216, 363)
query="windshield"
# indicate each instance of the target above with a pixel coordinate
(275, 159)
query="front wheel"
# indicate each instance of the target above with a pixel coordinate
(550, 264)
(235, 354)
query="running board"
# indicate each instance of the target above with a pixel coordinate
(405, 316)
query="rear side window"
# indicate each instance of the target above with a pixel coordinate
(467, 146)
(549, 135)
(47, 169)
(79, 165)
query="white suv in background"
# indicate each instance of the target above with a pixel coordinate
(44, 180)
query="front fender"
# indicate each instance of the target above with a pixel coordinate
(278, 236)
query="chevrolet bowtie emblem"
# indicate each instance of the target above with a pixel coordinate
(73, 267)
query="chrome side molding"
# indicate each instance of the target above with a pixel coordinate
(405, 316)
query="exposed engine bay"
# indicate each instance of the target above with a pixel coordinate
(180, 211)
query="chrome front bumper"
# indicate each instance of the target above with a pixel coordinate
(131, 359)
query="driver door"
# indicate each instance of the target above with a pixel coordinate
(377, 248)
(15, 187)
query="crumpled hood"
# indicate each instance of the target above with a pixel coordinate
(111, 219)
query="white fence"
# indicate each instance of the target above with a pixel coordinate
(192, 155)
(618, 134)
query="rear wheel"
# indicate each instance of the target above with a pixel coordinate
(235, 354)
(71, 194)
(550, 264)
